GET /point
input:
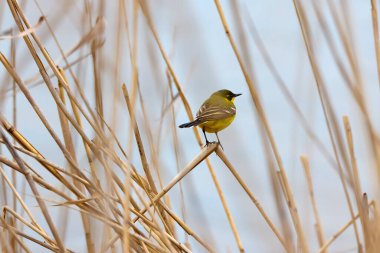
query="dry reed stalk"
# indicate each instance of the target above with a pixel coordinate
(132, 46)
(46, 162)
(21, 140)
(149, 134)
(169, 65)
(35, 191)
(203, 154)
(18, 15)
(160, 234)
(154, 156)
(182, 224)
(341, 230)
(46, 124)
(364, 206)
(356, 90)
(87, 148)
(63, 216)
(143, 158)
(223, 157)
(188, 112)
(189, 231)
(32, 239)
(356, 178)
(109, 197)
(248, 60)
(228, 214)
(276, 185)
(355, 85)
(144, 161)
(11, 230)
(304, 123)
(6, 210)
(68, 65)
(177, 149)
(347, 41)
(305, 29)
(264, 120)
(70, 147)
(127, 219)
(44, 184)
(14, 108)
(132, 202)
(336, 235)
(97, 81)
(21, 201)
(116, 77)
(286, 92)
(318, 224)
(5, 244)
(376, 38)
(52, 169)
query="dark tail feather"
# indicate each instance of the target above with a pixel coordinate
(190, 124)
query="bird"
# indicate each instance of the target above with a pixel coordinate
(215, 114)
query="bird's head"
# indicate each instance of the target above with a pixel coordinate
(227, 94)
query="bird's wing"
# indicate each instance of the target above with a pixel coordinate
(215, 110)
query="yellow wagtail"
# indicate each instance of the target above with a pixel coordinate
(215, 114)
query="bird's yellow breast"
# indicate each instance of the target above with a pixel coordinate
(214, 126)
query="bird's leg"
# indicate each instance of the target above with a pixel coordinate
(216, 133)
(204, 133)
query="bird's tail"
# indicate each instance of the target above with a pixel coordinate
(190, 124)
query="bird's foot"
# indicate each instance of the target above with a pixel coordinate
(210, 142)
(220, 144)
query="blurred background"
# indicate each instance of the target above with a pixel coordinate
(272, 47)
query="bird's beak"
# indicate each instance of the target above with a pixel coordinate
(236, 95)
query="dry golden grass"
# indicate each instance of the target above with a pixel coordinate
(123, 203)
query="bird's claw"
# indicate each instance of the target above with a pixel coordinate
(209, 143)
(213, 142)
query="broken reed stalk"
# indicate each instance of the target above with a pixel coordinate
(356, 182)
(318, 224)
(368, 237)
